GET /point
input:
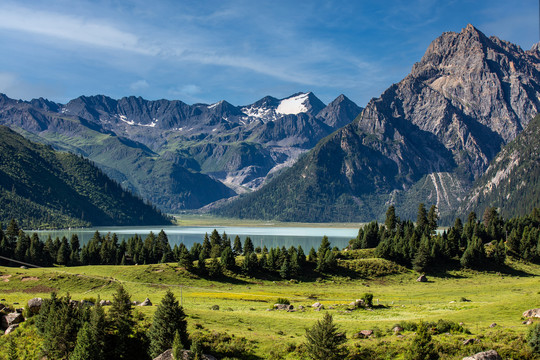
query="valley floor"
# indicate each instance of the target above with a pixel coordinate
(478, 299)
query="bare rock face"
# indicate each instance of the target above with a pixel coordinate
(146, 302)
(485, 355)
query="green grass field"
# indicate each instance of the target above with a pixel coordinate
(244, 303)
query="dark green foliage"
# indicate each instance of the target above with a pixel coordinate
(283, 301)
(177, 347)
(237, 247)
(169, 319)
(12, 349)
(43, 188)
(59, 322)
(475, 254)
(323, 340)
(248, 246)
(121, 323)
(390, 221)
(533, 338)
(368, 299)
(215, 270)
(185, 259)
(227, 259)
(84, 350)
(422, 347)
(221, 345)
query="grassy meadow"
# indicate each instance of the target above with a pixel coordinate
(477, 299)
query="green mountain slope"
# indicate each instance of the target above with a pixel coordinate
(43, 188)
(512, 181)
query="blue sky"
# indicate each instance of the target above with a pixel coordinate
(240, 51)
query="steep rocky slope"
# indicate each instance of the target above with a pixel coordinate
(426, 139)
(512, 180)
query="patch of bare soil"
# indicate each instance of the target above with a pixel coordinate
(39, 289)
(29, 278)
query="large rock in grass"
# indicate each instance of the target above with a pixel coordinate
(11, 328)
(186, 355)
(532, 313)
(283, 307)
(11, 319)
(146, 302)
(422, 278)
(485, 355)
(34, 305)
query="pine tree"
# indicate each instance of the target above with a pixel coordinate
(185, 259)
(169, 319)
(248, 246)
(177, 347)
(324, 341)
(215, 270)
(285, 271)
(121, 321)
(237, 247)
(421, 217)
(325, 245)
(390, 221)
(422, 347)
(201, 265)
(86, 346)
(227, 259)
(432, 218)
(312, 256)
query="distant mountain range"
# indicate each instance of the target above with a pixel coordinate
(426, 139)
(435, 137)
(41, 188)
(181, 156)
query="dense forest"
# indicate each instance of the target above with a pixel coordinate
(475, 243)
(42, 188)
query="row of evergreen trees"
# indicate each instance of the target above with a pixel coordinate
(475, 243)
(80, 332)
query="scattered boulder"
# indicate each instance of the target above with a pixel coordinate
(422, 278)
(146, 302)
(283, 307)
(105, 303)
(358, 303)
(11, 319)
(485, 355)
(318, 306)
(532, 313)
(493, 325)
(364, 334)
(186, 355)
(135, 302)
(300, 307)
(397, 329)
(11, 328)
(527, 322)
(34, 305)
(214, 307)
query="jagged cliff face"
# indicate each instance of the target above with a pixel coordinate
(182, 156)
(427, 138)
(511, 183)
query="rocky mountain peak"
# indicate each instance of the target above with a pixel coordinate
(339, 112)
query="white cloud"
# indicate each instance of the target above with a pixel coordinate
(71, 28)
(139, 85)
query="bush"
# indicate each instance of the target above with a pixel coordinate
(533, 338)
(368, 299)
(283, 301)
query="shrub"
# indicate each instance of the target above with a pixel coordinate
(283, 301)
(533, 338)
(368, 299)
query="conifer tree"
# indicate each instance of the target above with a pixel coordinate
(121, 322)
(390, 221)
(237, 247)
(422, 347)
(201, 265)
(185, 259)
(421, 217)
(86, 346)
(227, 259)
(324, 341)
(285, 271)
(312, 256)
(169, 319)
(248, 246)
(214, 269)
(177, 347)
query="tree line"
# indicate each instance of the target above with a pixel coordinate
(475, 243)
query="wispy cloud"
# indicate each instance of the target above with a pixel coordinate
(139, 85)
(69, 27)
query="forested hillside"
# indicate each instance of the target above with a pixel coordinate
(41, 188)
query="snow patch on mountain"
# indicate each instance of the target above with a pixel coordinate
(293, 105)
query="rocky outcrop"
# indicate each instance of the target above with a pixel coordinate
(11, 319)
(34, 305)
(485, 355)
(531, 313)
(146, 302)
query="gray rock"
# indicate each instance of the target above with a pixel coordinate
(11, 319)
(105, 302)
(364, 334)
(11, 328)
(531, 313)
(485, 355)
(422, 278)
(146, 302)
(493, 325)
(397, 329)
(186, 355)
(283, 307)
(34, 305)
(214, 307)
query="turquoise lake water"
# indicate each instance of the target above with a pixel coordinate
(261, 236)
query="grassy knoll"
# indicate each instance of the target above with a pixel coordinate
(477, 299)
